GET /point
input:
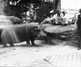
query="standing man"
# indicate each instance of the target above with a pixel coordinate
(79, 27)
(56, 18)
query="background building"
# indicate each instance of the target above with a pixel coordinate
(71, 4)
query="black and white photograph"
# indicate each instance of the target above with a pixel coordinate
(40, 33)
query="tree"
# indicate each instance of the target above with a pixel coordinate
(4, 10)
(18, 6)
(44, 11)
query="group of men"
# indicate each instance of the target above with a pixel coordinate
(78, 22)
(60, 17)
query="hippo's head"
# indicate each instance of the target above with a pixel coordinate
(36, 31)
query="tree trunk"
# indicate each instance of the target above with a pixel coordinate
(4, 10)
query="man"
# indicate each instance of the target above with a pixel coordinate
(79, 27)
(56, 18)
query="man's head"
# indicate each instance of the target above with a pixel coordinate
(64, 12)
(79, 10)
(58, 12)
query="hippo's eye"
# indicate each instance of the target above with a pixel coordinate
(36, 28)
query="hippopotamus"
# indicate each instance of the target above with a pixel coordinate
(19, 33)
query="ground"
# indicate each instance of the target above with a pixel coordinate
(37, 56)
(63, 53)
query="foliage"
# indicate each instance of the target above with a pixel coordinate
(16, 7)
(44, 11)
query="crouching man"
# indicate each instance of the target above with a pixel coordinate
(20, 33)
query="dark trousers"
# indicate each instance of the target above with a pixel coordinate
(79, 38)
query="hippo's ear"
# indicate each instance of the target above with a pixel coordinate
(36, 28)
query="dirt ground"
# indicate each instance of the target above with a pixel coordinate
(22, 55)
(42, 55)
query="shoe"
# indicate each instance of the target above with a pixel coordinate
(79, 49)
